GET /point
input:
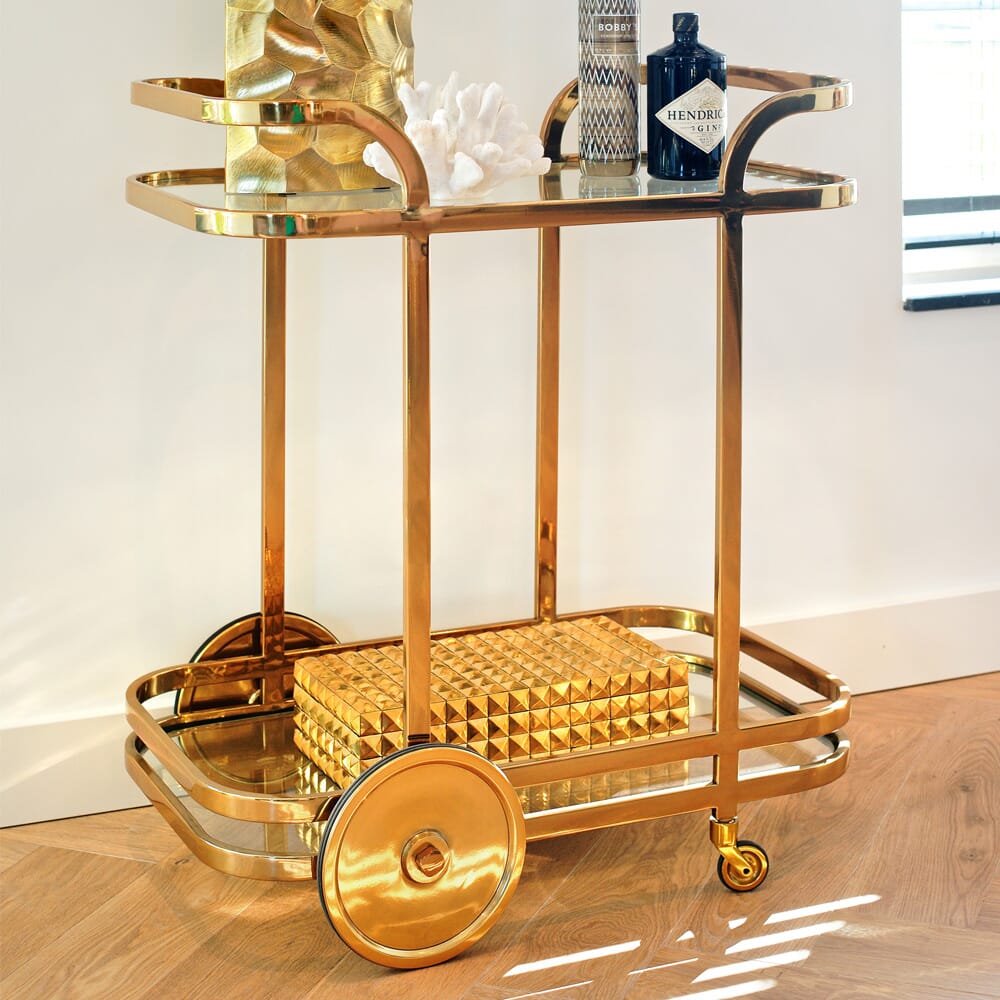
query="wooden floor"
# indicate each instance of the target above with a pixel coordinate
(885, 884)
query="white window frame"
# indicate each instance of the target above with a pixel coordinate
(952, 236)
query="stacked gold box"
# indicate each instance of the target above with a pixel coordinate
(510, 694)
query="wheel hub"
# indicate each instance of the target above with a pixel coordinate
(426, 857)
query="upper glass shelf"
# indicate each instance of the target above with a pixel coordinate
(197, 198)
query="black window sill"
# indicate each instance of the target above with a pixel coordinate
(961, 300)
(952, 275)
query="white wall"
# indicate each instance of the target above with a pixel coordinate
(129, 386)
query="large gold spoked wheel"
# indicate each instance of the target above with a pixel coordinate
(420, 856)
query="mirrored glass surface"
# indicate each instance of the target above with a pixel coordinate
(259, 755)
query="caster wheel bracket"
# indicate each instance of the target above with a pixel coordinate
(743, 865)
(724, 835)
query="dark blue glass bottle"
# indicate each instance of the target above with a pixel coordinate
(686, 116)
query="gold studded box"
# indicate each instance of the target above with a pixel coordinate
(511, 694)
(350, 50)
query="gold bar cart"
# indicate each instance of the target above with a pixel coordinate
(416, 858)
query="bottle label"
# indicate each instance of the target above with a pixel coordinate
(699, 116)
(612, 30)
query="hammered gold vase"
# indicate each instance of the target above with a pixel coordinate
(352, 50)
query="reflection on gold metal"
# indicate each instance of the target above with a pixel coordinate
(169, 193)
(743, 865)
(416, 681)
(202, 100)
(209, 847)
(262, 757)
(242, 637)
(418, 862)
(299, 806)
(723, 834)
(547, 433)
(272, 588)
(751, 873)
(536, 799)
(426, 856)
(422, 850)
(275, 50)
(512, 694)
(789, 723)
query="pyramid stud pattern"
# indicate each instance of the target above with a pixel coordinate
(509, 694)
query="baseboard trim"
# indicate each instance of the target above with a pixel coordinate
(69, 768)
(900, 645)
(76, 767)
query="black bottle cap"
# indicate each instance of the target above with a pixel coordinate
(685, 23)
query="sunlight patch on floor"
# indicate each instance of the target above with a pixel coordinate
(814, 930)
(578, 956)
(754, 965)
(730, 992)
(557, 989)
(815, 911)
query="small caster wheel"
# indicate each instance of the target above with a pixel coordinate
(421, 855)
(751, 875)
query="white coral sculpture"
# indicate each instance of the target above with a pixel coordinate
(470, 140)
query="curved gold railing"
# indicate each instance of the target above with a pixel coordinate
(381, 213)
(203, 100)
(798, 93)
(238, 803)
(216, 796)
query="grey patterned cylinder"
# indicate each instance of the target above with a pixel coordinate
(609, 87)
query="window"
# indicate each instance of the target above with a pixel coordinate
(951, 152)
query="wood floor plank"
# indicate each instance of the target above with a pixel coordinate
(133, 834)
(989, 913)
(813, 839)
(49, 891)
(916, 961)
(978, 688)
(547, 868)
(955, 841)
(980, 694)
(12, 851)
(154, 923)
(619, 912)
(279, 947)
(898, 863)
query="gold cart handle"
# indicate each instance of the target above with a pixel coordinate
(797, 93)
(204, 100)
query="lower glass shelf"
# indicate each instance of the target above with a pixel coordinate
(259, 756)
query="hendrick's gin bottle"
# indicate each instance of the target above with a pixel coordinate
(687, 106)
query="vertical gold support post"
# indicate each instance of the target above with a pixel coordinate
(272, 629)
(417, 490)
(547, 434)
(728, 502)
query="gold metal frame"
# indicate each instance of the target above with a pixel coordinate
(174, 195)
